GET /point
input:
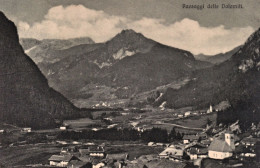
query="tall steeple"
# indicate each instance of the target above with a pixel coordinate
(229, 138)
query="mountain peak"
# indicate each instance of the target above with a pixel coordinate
(128, 42)
(128, 31)
(129, 35)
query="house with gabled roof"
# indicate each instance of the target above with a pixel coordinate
(79, 164)
(197, 151)
(172, 151)
(249, 141)
(190, 138)
(61, 160)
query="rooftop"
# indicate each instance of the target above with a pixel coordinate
(172, 151)
(165, 164)
(119, 156)
(96, 149)
(250, 140)
(191, 137)
(65, 158)
(77, 163)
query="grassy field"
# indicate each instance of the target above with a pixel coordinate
(134, 150)
(28, 154)
(80, 123)
(195, 121)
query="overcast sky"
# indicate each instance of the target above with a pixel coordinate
(207, 31)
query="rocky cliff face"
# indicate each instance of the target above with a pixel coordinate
(26, 99)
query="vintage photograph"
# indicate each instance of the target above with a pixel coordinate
(130, 83)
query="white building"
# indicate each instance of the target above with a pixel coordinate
(63, 127)
(222, 148)
(188, 113)
(151, 144)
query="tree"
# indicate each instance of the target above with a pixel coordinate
(209, 122)
(172, 135)
(179, 136)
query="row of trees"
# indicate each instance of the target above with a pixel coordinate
(126, 134)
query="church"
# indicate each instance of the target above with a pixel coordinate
(222, 147)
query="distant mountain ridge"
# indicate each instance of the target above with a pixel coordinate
(58, 44)
(218, 58)
(127, 64)
(26, 99)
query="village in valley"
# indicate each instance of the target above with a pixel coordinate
(128, 84)
(215, 145)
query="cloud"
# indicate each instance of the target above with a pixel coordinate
(73, 21)
(77, 21)
(189, 35)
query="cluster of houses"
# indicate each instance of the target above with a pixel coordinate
(193, 148)
(220, 107)
(87, 156)
(197, 147)
(23, 130)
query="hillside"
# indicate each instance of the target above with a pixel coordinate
(218, 58)
(47, 50)
(236, 80)
(125, 65)
(26, 99)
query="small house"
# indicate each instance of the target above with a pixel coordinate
(68, 150)
(249, 141)
(196, 153)
(28, 129)
(96, 151)
(83, 150)
(63, 127)
(151, 144)
(190, 138)
(188, 113)
(159, 144)
(171, 151)
(61, 160)
(180, 115)
(244, 152)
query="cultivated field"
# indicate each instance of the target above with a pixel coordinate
(27, 154)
